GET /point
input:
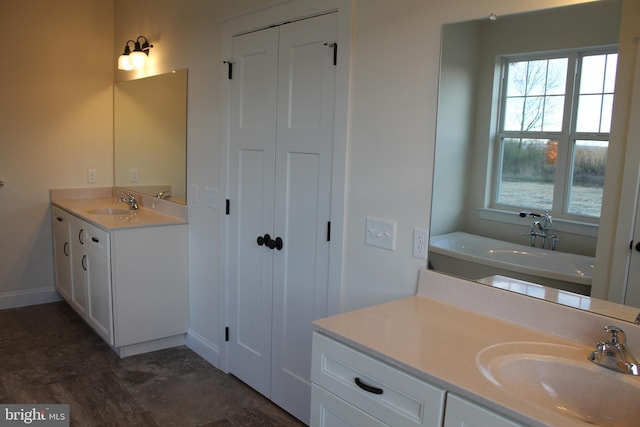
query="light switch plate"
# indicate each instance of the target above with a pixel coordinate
(381, 233)
(210, 197)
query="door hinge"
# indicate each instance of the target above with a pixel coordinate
(230, 69)
(335, 52)
(227, 208)
(226, 334)
(328, 231)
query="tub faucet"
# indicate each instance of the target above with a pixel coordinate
(542, 227)
(613, 354)
(165, 195)
(130, 199)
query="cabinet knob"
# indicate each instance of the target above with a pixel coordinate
(638, 246)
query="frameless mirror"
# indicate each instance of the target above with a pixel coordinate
(150, 135)
(469, 148)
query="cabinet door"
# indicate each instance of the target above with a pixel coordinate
(78, 267)
(328, 410)
(99, 300)
(463, 413)
(62, 252)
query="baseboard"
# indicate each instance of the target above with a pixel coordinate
(203, 347)
(28, 297)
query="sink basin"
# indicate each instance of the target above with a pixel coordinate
(109, 211)
(559, 378)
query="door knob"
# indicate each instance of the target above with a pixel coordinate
(264, 240)
(276, 243)
(279, 243)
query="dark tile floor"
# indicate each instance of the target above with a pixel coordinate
(49, 355)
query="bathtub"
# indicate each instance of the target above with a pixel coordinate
(475, 257)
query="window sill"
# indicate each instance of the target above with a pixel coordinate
(559, 224)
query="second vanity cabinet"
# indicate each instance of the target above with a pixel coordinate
(350, 388)
(128, 284)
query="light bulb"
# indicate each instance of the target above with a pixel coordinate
(137, 59)
(124, 63)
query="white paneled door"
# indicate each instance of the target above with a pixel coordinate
(281, 138)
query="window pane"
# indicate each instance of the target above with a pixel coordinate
(610, 76)
(527, 172)
(535, 95)
(595, 101)
(517, 78)
(537, 78)
(513, 114)
(533, 114)
(587, 183)
(553, 108)
(607, 109)
(589, 113)
(557, 76)
(592, 76)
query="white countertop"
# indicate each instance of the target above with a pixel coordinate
(440, 342)
(143, 217)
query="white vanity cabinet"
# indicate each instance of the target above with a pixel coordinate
(61, 222)
(350, 388)
(128, 284)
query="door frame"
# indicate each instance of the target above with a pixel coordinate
(255, 19)
(619, 255)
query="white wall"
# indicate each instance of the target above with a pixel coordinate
(55, 123)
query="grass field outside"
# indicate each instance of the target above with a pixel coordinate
(586, 201)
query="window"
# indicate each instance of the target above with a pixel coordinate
(554, 133)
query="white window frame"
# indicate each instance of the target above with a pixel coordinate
(566, 137)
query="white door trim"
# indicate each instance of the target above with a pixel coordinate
(262, 18)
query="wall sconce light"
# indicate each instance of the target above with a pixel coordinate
(132, 60)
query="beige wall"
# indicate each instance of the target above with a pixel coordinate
(55, 123)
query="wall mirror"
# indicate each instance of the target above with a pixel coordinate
(468, 150)
(150, 135)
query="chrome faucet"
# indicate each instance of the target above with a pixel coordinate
(165, 195)
(130, 199)
(613, 354)
(542, 228)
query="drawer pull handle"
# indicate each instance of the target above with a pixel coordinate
(367, 387)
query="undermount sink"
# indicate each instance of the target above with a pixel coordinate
(560, 378)
(109, 211)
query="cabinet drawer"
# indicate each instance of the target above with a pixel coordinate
(96, 240)
(393, 396)
(60, 219)
(461, 413)
(328, 410)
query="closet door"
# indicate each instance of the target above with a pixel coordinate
(281, 144)
(306, 89)
(251, 178)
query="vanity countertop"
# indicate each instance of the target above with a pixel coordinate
(144, 217)
(439, 343)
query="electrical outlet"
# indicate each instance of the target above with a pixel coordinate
(420, 242)
(381, 233)
(92, 176)
(133, 175)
